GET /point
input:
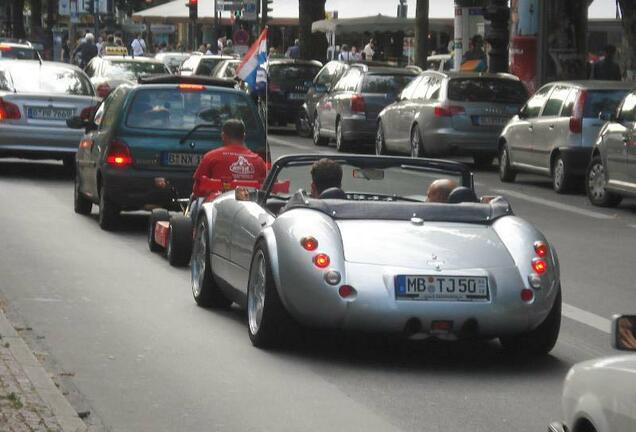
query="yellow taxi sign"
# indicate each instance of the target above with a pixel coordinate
(115, 50)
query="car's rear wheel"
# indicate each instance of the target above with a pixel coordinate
(205, 290)
(562, 178)
(539, 341)
(595, 185)
(342, 145)
(108, 212)
(417, 149)
(157, 215)
(303, 125)
(269, 323)
(179, 247)
(380, 144)
(81, 204)
(506, 173)
(319, 140)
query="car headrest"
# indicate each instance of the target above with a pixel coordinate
(462, 194)
(333, 193)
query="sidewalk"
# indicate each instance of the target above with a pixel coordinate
(29, 400)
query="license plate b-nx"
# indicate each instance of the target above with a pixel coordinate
(441, 288)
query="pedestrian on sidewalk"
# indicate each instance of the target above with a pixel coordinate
(607, 68)
(138, 46)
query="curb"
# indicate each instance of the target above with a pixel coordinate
(64, 413)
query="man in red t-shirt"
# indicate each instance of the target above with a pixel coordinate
(232, 161)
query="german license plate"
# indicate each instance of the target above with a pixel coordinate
(182, 159)
(296, 96)
(492, 121)
(441, 288)
(49, 113)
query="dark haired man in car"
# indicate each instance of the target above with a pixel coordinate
(326, 174)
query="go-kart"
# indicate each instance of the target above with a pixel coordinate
(173, 233)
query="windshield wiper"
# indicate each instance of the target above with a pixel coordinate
(194, 129)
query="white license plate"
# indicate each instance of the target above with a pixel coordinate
(492, 121)
(182, 159)
(49, 113)
(441, 288)
(296, 96)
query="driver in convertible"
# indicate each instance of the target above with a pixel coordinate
(326, 178)
(439, 190)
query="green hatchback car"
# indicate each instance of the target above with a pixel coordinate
(158, 128)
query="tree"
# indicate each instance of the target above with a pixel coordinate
(312, 45)
(628, 11)
(421, 33)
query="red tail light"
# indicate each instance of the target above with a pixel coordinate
(358, 104)
(541, 249)
(322, 260)
(576, 121)
(103, 90)
(88, 113)
(274, 88)
(539, 265)
(309, 243)
(190, 87)
(9, 111)
(118, 154)
(527, 295)
(346, 291)
(448, 110)
(5, 47)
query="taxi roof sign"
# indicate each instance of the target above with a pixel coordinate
(115, 50)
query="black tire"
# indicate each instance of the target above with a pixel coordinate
(303, 125)
(157, 215)
(81, 204)
(417, 148)
(108, 212)
(562, 178)
(342, 145)
(380, 143)
(483, 161)
(539, 341)
(319, 140)
(179, 248)
(209, 293)
(276, 326)
(507, 174)
(595, 185)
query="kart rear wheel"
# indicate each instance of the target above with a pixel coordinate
(540, 341)
(81, 204)
(268, 322)
(157, 215)
(108, 212)
(179, 246)
(205, 290)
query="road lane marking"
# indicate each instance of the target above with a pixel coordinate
(287, 143)
(555, 205)
(587, 318)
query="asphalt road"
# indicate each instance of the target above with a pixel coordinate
(122, 326)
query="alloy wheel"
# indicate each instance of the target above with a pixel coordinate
(379, 141)
(415, 143)
(559, 174)
(256, 292)
(198, 260)
(596, 182)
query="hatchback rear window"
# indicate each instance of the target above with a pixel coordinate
(36, 78)
(602, 101)
(132, 70)
(487, 90)
(386, 83)
(175, 109)
(9, 52)
(284, 72)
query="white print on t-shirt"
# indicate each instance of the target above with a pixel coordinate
(242, 167)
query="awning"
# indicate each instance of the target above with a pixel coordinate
(371, 24)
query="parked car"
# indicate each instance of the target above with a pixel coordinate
(201, 64)
(107, 72)
(322, 83)
(374, 256)
(289, 82)
(439, 62)
(599, 395)
(18, 50)
(348, 113)
(450, 113)
(173, 60)
(554, 132)
(160, 128)
(225, 69)
(36, 99)
(611, 173)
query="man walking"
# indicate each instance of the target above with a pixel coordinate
(86, 50)
(607, 68)
(138, 46)
(293, 52)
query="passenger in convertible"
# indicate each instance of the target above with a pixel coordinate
(439, 190)
(326, 176)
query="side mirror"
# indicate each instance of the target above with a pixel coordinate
(624, 332)
(242, 194)
(607, 116)
(522, 113)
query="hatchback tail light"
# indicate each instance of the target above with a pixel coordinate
(9, 111)
(576, 121)
(103, 90)
(448, 110)
(118, 154)
(358, 104)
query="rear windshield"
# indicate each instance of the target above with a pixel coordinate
(36, 78)
(17, 53)
(174, 109)
(206, 65)
(386, 83)
(602, 101)
(291, 72)
(487, 90)
(132, 70)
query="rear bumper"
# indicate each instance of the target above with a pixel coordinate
(133, 189)
(359, 128)
(284, 111)
(577, 159)
(38, 142)
(448, 141)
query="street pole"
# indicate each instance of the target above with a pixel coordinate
(497, 34)
(96, 18)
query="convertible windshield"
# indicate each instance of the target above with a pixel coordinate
(368, 181)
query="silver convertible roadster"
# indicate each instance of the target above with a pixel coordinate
(374, 256)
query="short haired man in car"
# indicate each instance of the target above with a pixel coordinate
(439, 190)
(325, 174)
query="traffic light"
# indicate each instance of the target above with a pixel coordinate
(238, 14)
(89, 6)
(266, 8)
(193, 5)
